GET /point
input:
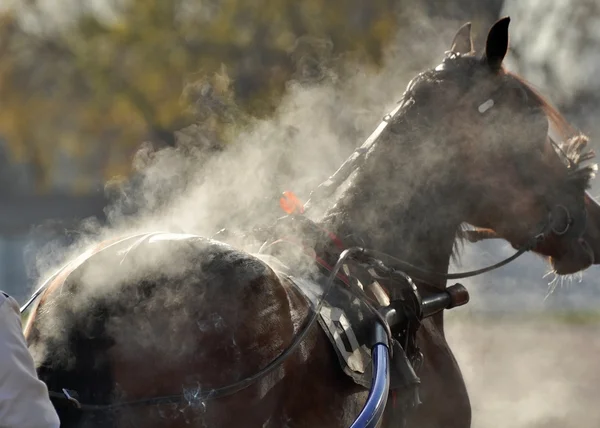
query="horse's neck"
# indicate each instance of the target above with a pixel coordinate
(420, 229)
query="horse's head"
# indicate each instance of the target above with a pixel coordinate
(517, 179)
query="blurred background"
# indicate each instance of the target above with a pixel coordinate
(112, 111)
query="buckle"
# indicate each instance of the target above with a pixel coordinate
(69, 395)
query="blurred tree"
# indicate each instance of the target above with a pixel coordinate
(94, 85)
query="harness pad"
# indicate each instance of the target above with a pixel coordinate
(346, 321)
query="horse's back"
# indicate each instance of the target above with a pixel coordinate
(162, 315)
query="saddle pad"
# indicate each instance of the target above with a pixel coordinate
(345, 320)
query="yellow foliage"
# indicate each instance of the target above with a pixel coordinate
(96, 88)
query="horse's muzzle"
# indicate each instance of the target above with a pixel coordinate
(578, 257)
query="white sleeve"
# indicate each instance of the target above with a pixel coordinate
(24, 401)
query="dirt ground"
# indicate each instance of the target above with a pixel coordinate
(529, 373)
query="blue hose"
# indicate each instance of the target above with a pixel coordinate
(371, 414)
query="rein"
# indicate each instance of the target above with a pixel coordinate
(410, 268)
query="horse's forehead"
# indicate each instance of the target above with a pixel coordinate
(455, 80)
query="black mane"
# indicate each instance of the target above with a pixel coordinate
(573, 145)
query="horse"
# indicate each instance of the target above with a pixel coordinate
(144, 328)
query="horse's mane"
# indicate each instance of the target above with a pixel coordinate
(573, 145)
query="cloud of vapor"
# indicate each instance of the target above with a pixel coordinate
(314, 129)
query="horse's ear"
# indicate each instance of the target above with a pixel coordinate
(496, 45)
(463, 43)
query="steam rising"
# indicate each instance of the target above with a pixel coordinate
(315, 128)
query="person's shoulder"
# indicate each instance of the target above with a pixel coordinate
(8, 305)
(3, 297)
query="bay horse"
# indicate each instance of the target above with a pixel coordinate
(173, 315)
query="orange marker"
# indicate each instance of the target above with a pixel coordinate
(290, 203)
